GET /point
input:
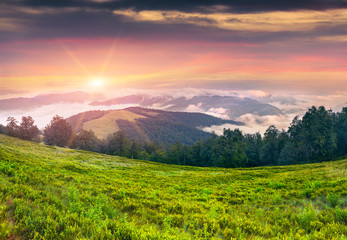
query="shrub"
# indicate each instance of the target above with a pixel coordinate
(333, 200)
(308, 216)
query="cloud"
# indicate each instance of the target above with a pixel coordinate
(219, 112)
(190, 92)
(194, 108)
(266, 21)
(334, 38)
(299, 103)
(255, 123)
(215, 21)
(189, 6)
(291, 104)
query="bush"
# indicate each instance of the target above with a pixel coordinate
(307, 218)
(341, 215)
(333, 200)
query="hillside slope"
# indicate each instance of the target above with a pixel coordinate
(57, 193)
(148, 124)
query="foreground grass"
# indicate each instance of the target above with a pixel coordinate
(57, 193)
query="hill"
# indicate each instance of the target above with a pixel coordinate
(57, 193)
(148, 124)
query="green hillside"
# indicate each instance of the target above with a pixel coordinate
(57, 193)
(148, 124)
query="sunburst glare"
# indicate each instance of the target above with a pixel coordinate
(97, 82)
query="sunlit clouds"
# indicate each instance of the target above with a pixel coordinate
(269, 21)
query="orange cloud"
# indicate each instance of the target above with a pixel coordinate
(268, 21)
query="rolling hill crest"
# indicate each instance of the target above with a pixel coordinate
(148, 124)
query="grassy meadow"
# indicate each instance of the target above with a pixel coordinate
(58, 193)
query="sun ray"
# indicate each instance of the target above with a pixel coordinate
(75, 59)
(108, 57)
(110, 54)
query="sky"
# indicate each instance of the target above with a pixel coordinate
(268, 45)
(295, 48)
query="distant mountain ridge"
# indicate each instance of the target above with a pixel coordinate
(46, 99)
(228, 107)
(232, 106)
(142, 100)
(148, 124)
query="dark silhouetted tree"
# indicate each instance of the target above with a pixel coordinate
(58, 132)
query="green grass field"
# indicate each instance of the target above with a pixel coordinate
(57, 193)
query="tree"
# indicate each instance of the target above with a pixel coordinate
(175, 154)
(320, 134)
(232, 149)
(314, 136)
(118, 144)
(27, 130)
(297, 140)
(194, 155)
(153, 152)
(85, 140)
(340, 128)
(135, 149)
(210, 151)
(11, 127)
(254, 143)
(2, 129)
(58, 132)
(269, 152)
(287, 155)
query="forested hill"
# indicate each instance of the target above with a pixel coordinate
(148, 124)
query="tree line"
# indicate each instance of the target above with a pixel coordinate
(320, 135)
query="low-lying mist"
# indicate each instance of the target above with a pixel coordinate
(289, 105)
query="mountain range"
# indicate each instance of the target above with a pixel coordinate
(26, 103)
(230, 107)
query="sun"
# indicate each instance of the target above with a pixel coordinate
(97, 82)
